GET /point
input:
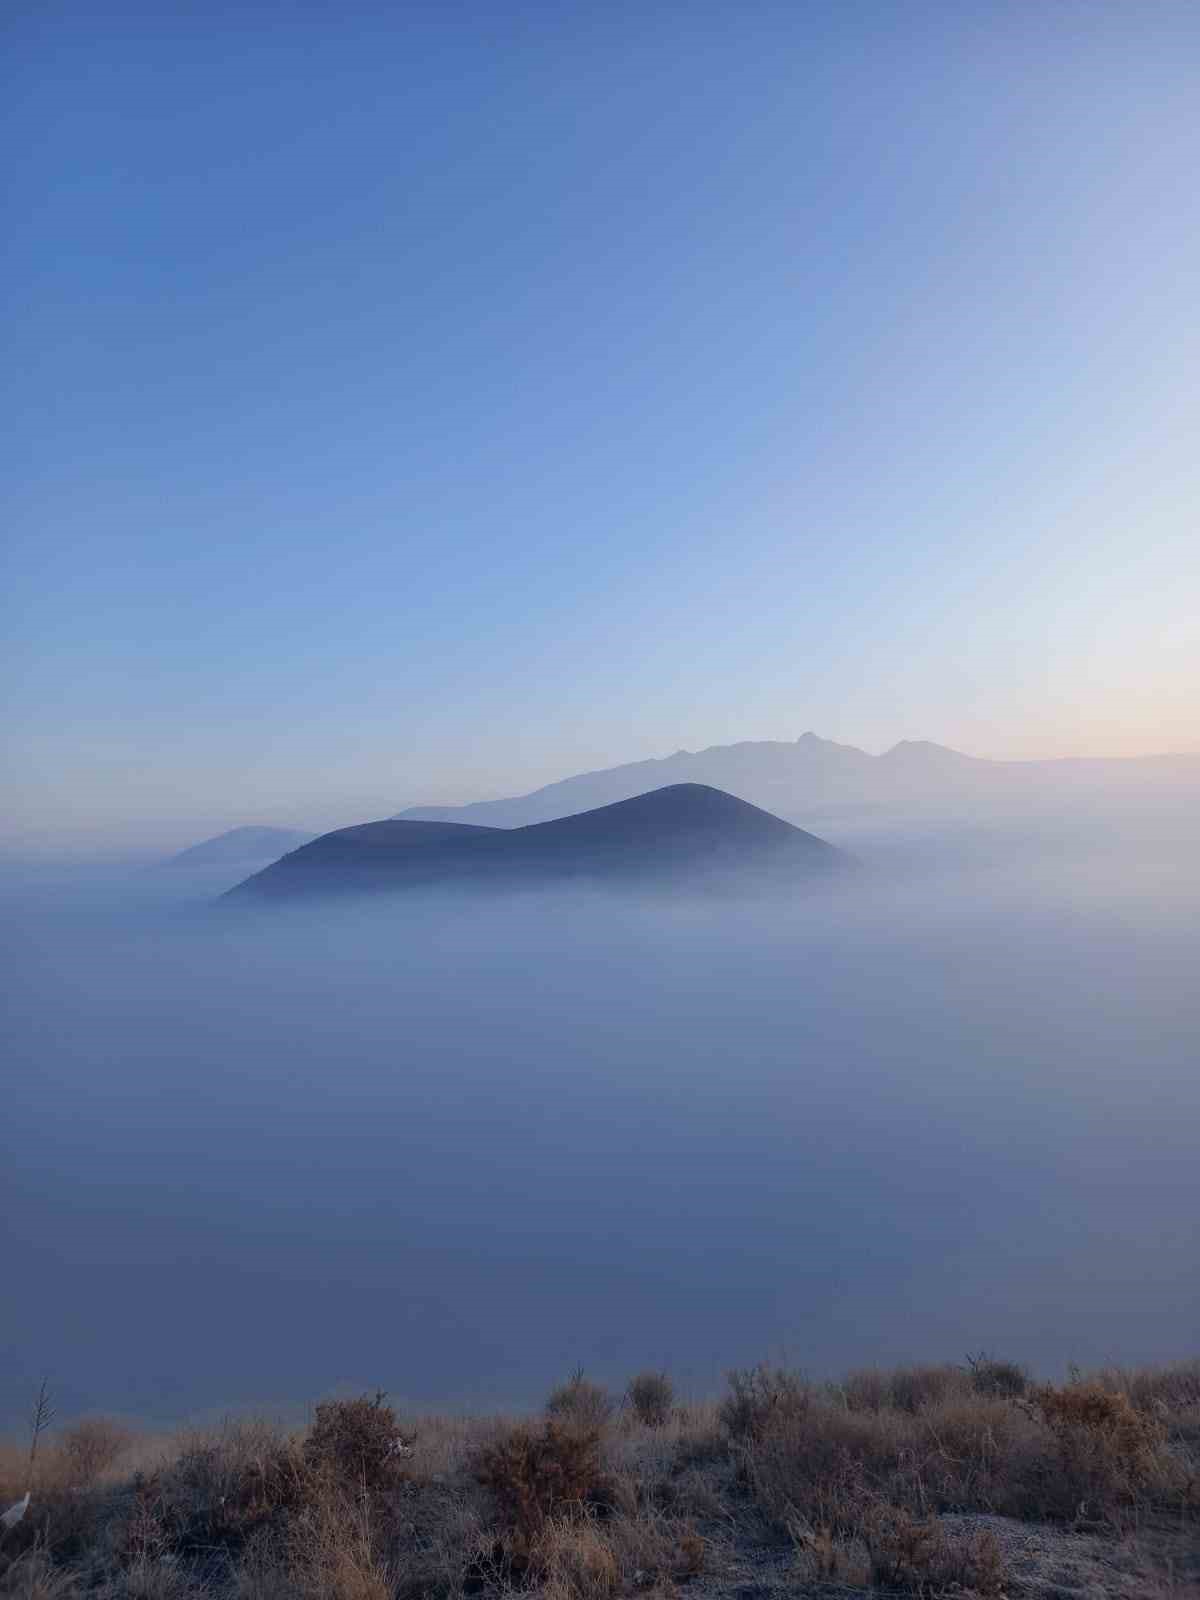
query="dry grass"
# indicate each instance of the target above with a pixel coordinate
(34, 1577)
(849, 1483)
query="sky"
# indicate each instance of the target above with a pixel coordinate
(417, 403)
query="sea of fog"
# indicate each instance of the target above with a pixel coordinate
(455, 1150)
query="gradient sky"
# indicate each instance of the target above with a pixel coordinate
(410, 403)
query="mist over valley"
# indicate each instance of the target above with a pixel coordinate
(449, 1140)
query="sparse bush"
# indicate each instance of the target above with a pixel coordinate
(535, 1472)
(223, 1489)
(580, 1400)
(359, 1442)
(759, 1397)
(91, 1447)
(651, 1396)
(1110, 1455)
(865, 1389)
(809, 1469)
(915, 1556)
(1003, 1380)
(913, 1389)
(879, 1479)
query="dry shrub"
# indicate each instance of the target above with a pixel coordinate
(915, 1389)
(359, 1442)
(812, 1470)
(223, 1489)
(1172, 1395)
(580, 1400)
(1172, 1388)
(538, 1471)
(821, 1468)
(1003, 1380)
(865, 1389)
(1111, 1457)
(916, 1556)
(651, 1396)
(235, 1485)
(972, 1453)
(91, 1447)
(910, 1389)
(761, 1397)
(1061, 1455)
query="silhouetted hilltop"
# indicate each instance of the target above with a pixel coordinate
(684, 834)
(239, 844)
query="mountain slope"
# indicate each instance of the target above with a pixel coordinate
(239, 845)
(680, 835)
(814, 779)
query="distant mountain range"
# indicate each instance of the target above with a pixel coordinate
(814, 780)
(682, 835)
(239, 846)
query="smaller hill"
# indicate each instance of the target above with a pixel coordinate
(685, 835)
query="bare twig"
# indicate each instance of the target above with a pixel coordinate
(40, 1419)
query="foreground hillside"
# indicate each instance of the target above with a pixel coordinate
(922, 1481)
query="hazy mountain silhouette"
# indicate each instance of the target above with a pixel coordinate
(681, 835)
(239, 845)
(815, 779)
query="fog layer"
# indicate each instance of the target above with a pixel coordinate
(456, 1149)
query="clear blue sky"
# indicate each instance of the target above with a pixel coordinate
(417, 402)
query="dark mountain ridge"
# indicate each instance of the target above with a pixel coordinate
(682, 835)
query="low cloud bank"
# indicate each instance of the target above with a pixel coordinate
(454, 1148)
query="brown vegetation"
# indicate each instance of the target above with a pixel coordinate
(901, 1481)
(651, 1396)
(580, 1400)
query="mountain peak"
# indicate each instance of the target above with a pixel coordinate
(924, 751)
